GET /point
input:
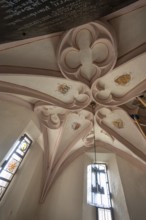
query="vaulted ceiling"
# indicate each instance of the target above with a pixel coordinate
(85, 79)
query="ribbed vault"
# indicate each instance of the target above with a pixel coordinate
(81, 70)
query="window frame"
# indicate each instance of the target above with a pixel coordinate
(19, 151)
(90, 182)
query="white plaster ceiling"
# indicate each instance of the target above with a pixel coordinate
(59, 75)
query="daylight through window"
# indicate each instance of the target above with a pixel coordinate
(12, 161)
(98, 193)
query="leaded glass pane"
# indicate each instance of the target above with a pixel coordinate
(3, 183)
(12, 161)
(23, 146)
(20, 152)
(97, 186)
(104, 214)
(6, 175)
(98, 190)
(16, 157)
(12, 165)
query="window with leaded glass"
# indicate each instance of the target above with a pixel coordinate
(12, 161)
(98, 193)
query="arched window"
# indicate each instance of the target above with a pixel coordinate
(12, 161)
(98, 193)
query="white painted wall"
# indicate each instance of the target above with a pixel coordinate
(21, 198)
(116, 189)
(64, 201)
(13, 120)
(134, 185)
(67, 197)
(118, 197)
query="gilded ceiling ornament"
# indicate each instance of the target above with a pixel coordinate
(123, 79)
(118, 123)
(75, 125)
(63, 88)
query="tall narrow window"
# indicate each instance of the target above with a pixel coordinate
(12, 161)
(98, 190)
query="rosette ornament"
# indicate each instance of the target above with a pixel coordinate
(87, 52)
